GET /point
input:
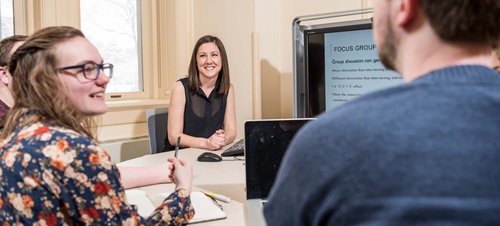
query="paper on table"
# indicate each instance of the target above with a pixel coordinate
(204, 207)
(139, 198)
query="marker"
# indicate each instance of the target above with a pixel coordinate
(177, 146)
(218, 197)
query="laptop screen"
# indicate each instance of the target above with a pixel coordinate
(265, 144)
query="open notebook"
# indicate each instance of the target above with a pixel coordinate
(204, 207)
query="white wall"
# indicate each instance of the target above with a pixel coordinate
(268, 17)
(233, 22)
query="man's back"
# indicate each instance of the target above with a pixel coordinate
(424, 153)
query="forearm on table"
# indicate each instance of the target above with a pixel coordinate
(230, 136)
(187, 141)
(141, 176)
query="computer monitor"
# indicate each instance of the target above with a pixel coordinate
(266, 141)
(335, 63)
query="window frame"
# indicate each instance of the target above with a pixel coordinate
(145, 93)
(30, 16)
(167, 33)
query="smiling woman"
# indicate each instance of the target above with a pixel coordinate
(202, 109)
(52, 169)
(87, 82)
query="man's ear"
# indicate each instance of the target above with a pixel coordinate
(3, 76)
(407, 11)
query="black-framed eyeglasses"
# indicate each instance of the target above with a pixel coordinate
(91, 70)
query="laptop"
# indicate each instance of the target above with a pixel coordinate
(265, 144)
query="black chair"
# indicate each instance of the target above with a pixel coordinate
(157, 128)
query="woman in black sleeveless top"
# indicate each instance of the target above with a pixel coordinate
(202, 107)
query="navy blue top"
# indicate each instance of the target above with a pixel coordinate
(421, 153)
(52, 175)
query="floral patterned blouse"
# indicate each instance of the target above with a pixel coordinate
(51, 175)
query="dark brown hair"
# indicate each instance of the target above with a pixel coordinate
(193, 76)
(36, 84)
(6, 45)
(475, 21)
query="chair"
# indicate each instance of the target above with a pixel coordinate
(157, 128)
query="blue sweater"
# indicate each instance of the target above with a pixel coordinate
(422, 153)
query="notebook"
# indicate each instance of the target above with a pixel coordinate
(265, 144)
(204, 207)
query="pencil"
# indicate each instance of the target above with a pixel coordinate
(177, 146)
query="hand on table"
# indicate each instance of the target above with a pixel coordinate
(181, 173)
(216, 141)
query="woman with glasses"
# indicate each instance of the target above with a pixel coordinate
(52, 171)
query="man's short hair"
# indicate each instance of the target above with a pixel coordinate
(475, 21)
(6, 45)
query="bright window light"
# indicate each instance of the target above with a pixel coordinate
(113, 27)
(6, 18)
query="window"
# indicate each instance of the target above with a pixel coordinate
(113, 27)
(6, 18)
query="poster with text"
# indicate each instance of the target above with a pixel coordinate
(352, 67)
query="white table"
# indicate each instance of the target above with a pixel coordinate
(226, 177)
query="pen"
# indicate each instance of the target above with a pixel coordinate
(177, 146)
(218, 197)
